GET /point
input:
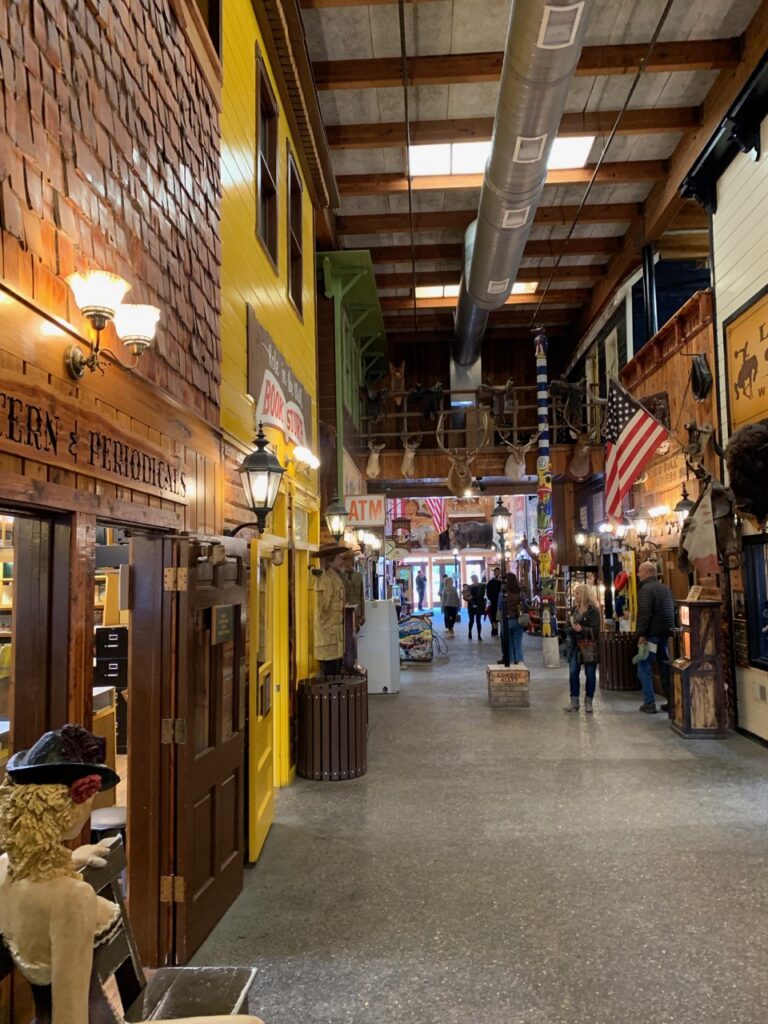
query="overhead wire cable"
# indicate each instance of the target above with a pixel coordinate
(635, 81)
(405, 77)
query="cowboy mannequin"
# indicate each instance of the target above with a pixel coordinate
(330, 600)
(50, 919)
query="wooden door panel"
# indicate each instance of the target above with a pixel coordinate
(209, 801)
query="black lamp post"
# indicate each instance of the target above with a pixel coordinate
(501, 519)
(336, 516)
(260, 473)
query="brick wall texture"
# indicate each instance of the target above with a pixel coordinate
(109, 158)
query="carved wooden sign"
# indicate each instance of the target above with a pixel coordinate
(58, 431)
(281, 399)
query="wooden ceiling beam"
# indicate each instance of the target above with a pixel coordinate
(458, 220)
(499, 318)
(543, 247)
(554, 297)
(665, 203)
(440, 336)
(440, 277)
(480, 129)
(454, 68)
(612, 173)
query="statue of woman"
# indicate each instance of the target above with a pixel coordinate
(50, 919)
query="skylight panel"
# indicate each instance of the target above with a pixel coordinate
(524, 287)
(432, 291)
(469, 157)
(568, 153)
(430, 159)
(451, 291)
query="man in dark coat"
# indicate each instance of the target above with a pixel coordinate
(493, 592)
(655, 622)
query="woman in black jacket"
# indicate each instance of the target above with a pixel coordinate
(583, 624)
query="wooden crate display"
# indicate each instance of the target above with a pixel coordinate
(333, 715)
(698, 700)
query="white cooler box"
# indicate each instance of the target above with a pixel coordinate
(378, 647)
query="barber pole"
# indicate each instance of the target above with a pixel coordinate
(550, 648)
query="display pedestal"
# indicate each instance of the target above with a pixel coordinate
(508, 687)
(698, 706)
(378, 647)
(550, 649)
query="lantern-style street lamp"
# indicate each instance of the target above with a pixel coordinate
(336, 516)
(260, 474)
(501, 517)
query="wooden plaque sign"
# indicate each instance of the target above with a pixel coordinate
(222, 623)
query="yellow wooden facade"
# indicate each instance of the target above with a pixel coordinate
(278, 616)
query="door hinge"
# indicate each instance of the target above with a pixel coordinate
(175, 579)
(173, 730)
(171, 888)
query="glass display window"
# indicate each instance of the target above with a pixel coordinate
(756, 599)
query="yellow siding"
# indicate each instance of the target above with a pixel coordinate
(247, 273)
(248, 277)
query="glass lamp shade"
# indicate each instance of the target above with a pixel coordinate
(98, 295)
(135, 325)
(620, 531)
(683, 508)
(336, 516)
(581, 540)
(260, 474)
(641, 527)
(501, 517)
(362, 536)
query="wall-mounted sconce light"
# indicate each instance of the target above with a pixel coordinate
(99, 297)
(336, 516)
(304, 457)
(260, 473)
(278, 556)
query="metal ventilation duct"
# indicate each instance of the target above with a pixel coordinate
(543, 48)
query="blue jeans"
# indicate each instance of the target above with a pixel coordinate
(575, 667)
(645, 669)
(515, 632)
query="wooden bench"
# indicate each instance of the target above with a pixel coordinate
(170, 992)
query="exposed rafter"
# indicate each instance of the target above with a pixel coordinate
(454, 68)
(616, 173)
(505, 317)
(479, 129)
(554, 297)
(543, 247)
(429, 278)
(596, 213)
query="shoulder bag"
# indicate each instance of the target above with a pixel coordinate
(588, 650)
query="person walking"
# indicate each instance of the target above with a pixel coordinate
(583, 624)
(475, 598)
(493, 590)
(655, 622)
(421, 588)
(517, 620)
(450, 603)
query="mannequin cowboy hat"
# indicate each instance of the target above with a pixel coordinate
(61, 757)
(329, 550)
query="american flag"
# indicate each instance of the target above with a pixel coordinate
(632, 436)
(439, 513)
(395, 510)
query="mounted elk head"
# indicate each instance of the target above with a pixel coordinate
(397, 381)
(514, 468)
(408, 465)
(373, 465)
(459, 479)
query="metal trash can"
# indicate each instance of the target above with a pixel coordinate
(616, 653)
(333, 716)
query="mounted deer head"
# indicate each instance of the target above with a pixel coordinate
(580, 465)
(408, 465)
(459, 479)
(397, 381)
(514, 468)
(373, 465)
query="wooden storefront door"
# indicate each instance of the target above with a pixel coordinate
(210, 766)
(186, 743)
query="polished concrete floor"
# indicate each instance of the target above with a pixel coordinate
(513, 867)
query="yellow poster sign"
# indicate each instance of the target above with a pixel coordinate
(746, 345)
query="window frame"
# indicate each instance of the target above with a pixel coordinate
(267, 178)
(294, 290)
